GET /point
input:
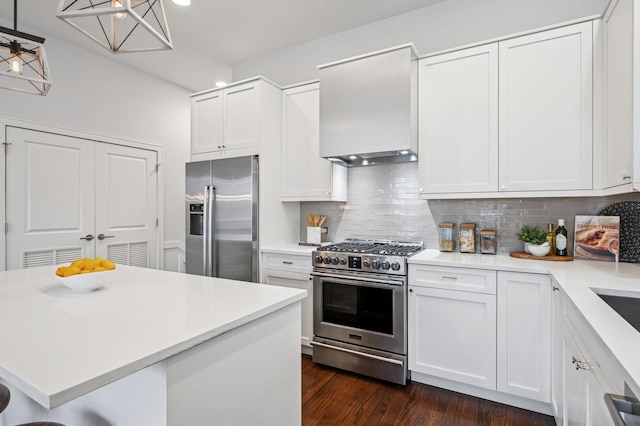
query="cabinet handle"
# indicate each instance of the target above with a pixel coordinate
(87, 237)
(410, 290)
(503, 187)
(444, 277)
(580, 364)
(286, 262)
(626, 177)
(102, 236)
(555, 288)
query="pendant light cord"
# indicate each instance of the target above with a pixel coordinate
(15, 15)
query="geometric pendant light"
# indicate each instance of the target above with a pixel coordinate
(23, 63)
(119, 25)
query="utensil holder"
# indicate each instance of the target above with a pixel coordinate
(314, 234)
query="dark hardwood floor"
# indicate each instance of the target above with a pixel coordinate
(334, 397)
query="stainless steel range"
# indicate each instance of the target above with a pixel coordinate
(360, 307)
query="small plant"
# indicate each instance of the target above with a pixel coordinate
(531, 235)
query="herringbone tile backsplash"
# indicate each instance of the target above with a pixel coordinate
(384, 202)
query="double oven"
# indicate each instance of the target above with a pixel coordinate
(360, 307)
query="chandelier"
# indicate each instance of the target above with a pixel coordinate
(119, 25)
(23, 63)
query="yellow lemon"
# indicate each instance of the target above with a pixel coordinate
(60, 271)
(108, 265)
(71, 270)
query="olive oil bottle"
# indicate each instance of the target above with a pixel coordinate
(561, 239)
(551, 239)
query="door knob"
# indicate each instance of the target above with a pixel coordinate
(102, 236)
(88, 237)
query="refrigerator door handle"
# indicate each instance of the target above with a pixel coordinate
(210, 265)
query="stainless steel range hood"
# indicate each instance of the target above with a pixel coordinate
(369, 108)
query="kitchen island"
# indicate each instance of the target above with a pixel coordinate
(149, 348)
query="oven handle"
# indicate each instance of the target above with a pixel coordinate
(366, 355)
(621, 403)
(397, 283)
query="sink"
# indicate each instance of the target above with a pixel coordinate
(627, 306)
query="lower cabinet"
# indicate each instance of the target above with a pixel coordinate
(524, 335)
(489, 329)
(289, 270)
(578, 393)
(452, 334)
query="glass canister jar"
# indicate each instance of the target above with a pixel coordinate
(446, 236)
(467, 238)
(488, 243)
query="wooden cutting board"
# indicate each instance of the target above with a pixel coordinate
(523, 255)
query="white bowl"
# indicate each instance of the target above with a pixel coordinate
(539, 250)
(87, 282)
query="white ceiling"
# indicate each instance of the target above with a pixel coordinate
(212, 35)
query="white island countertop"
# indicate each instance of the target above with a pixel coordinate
(577, 278)
(56, 344)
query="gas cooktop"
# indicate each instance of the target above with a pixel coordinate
(377, 256)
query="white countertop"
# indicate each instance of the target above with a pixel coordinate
(56, 344)
(577, 278)
(289, 249)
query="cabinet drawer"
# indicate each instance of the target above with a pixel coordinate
(464, 279)
(287, 262)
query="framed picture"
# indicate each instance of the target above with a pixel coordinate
(597, 238)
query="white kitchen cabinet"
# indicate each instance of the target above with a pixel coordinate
(621, 139)
(580, 379)
(458, 115)
(305, 175)
(524, 335)
(545, 117)
(226, 122)
(452, 324)
(510, 118)
(292, 270)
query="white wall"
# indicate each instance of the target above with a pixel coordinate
(441, 26)
(95, 95)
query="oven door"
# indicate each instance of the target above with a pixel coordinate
(362, 310)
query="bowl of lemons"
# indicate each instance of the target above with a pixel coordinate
(86, 274)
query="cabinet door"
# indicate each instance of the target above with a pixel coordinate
(302, 282)
(458, 121)
(206, 123)
(240, 116)
(452, 335)
(617, 154)
(305, 175)
(575, 390)
(524, 335)
(557, 395)
(545, 117)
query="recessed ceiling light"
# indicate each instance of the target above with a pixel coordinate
(182, 2)
(220, 83)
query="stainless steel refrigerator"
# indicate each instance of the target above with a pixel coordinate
(222, 218)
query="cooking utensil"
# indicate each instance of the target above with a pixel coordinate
(316, 220)
(309, 220)
(322, 219)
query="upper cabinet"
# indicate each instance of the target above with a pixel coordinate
(545, 116)
(620, 141)
(226, 122)
(512, 118)
(305, 175)
(458, 129)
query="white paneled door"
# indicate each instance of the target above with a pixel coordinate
(69, 197)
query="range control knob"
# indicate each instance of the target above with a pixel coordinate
(366, 263)
(385, 265)
(318, 259)
(334, 260)
(343, 261)
(375, 264)
(395, 266)
(326, 261)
